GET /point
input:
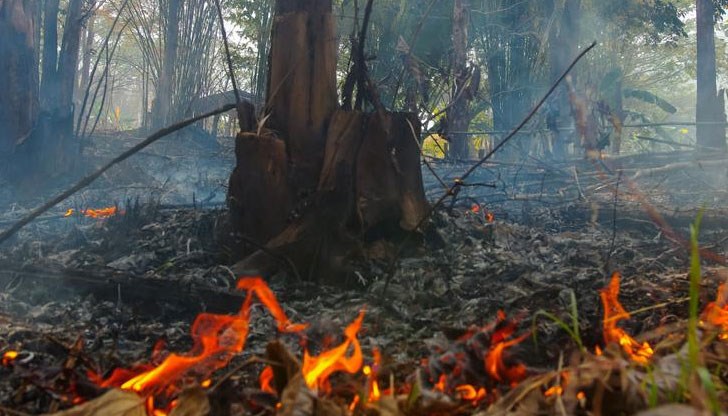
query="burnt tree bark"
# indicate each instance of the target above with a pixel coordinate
(18, 73)
(313, 182)
(709, 111)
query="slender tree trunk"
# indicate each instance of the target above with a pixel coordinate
(86, 62)
(18, 73)
(49, 80)
(458, 118)
(68, 60)
(163, 100)
(709, 111)
(563, 45)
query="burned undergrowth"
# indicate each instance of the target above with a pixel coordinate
(124, 290)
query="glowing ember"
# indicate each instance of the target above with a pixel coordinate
(470, 393)
(558, 389)
(216, 340)
(9, 357)
(613, 313)
(716, 313)
(316, 370)
(553, 391)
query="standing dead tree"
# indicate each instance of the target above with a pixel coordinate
(314, 181)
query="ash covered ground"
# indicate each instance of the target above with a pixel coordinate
(559, 229)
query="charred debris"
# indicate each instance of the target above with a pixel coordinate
(343, 242)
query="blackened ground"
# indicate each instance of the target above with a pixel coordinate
(123, 283)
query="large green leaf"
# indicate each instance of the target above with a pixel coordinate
(650, 98)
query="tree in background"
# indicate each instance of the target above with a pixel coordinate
(40, 122)
(18, 73)
(710, 104)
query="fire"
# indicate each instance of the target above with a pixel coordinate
(265, 380)
(613, 313)
(216, 340)
(494, 364)
(100, 213)
(316, 370)
(716, 313)
(558, 389)
(372, 372)
(9, 357)
(490, 217)
(469, 393)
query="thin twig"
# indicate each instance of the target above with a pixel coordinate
(227, 53)
(614, 222)
(5, 235)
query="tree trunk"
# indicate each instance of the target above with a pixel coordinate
(163, 99)
(709, 111)
(51, 150)
(315, 183)
(563, 46)
(49, 81)
(86, 61)
(458, 117)
(18, 73)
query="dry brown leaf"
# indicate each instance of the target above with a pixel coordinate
(386, 406)
(297, 399)
(192, 402)
(111, 403)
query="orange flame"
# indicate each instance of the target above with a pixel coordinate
(216, 340)
(266, 378)
(316, 370)
(372, 372)
(470, 393)
(716, 313)
(613, 313)
(490, 217)
(558, 389)
(494, 364)
(101, 213)
(9, 357)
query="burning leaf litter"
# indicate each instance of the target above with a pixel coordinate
(461, 374)
(101, 213)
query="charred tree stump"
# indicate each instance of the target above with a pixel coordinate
(316, 183)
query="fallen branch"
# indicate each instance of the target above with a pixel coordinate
(92, 177)
(699, 164)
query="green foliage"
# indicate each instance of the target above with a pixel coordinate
(572, 331)
(650, 98)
